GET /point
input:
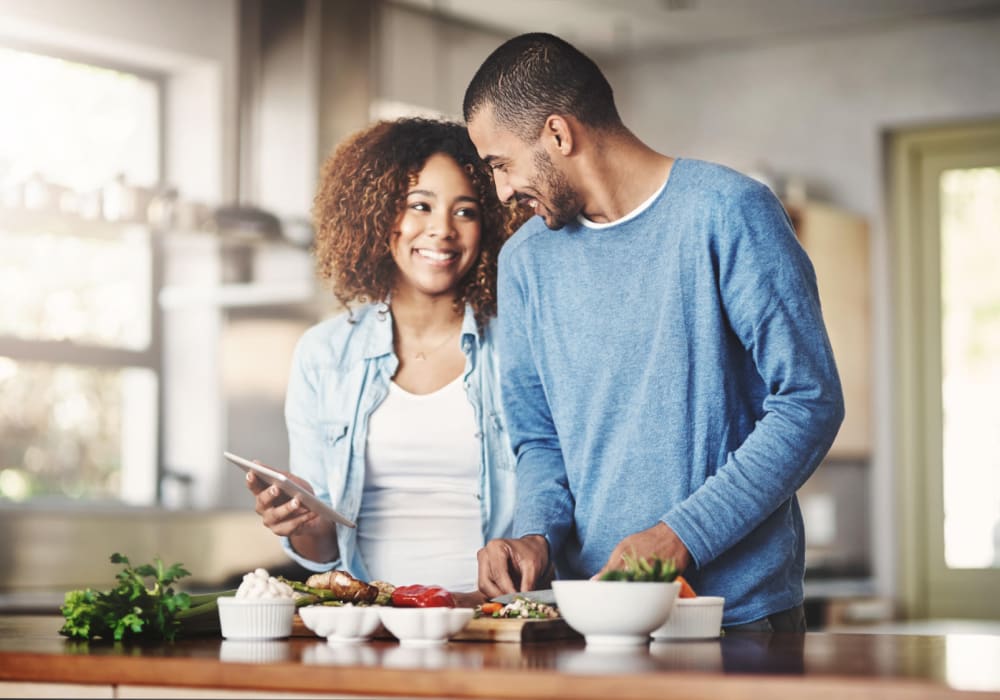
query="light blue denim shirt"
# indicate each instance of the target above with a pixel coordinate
(340, 373)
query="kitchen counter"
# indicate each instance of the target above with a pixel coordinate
(820, 665)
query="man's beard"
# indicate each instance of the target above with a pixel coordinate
(564, 204)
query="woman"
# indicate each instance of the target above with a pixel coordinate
(392, 408)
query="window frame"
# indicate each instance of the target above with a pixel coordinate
(87, 355)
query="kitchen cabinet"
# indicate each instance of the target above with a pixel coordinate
(837, 243)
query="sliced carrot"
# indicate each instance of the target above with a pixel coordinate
(490, 608)
(686, 590)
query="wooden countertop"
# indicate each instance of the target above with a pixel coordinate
(821, 665)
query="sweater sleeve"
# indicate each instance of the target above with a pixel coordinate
(768, 290)
(544, 504)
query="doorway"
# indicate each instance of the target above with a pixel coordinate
(945, 189)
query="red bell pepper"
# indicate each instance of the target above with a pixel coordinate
(417, 596)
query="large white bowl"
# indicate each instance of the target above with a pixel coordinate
(693, 618)
(256, 618)
(424, 626)
(615, 612)
(341, 624)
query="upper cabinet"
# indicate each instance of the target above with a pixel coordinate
(837, 244)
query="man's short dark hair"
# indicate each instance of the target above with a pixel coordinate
(536, 75)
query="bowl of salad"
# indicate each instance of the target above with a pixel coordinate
(624, 607)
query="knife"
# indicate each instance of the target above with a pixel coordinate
(544, 596)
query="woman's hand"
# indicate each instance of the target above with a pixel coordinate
(283, 516)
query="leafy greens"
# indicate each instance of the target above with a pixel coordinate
(130, 610)
(643, 569)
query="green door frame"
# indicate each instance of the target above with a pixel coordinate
(916, 159)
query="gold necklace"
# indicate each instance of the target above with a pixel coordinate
(422, 354)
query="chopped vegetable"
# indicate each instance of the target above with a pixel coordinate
(418, 596)
(490, 608)
(520, 607)
(642, 569)
(344, 587)
(385, 590)
(686, 590)
(130, 610)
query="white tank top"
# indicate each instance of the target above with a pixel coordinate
(420, 519)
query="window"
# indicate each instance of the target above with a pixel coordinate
(79, 359)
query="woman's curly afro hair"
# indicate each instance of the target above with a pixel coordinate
(362, 192)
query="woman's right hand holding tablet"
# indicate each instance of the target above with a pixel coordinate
(288, 517)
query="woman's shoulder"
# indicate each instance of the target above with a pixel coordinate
(345, 337)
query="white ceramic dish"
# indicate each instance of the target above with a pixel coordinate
(693, 618)
(341, 623)
(256, 618)
(424, 626)
(615, 612)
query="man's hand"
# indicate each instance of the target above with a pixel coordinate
(658, 541)
(511, 566)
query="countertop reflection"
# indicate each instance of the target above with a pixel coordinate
(772, 665)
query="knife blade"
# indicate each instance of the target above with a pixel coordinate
(544, 596)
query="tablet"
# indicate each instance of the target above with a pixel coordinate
(289, 487)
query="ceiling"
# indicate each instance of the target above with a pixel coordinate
(617, 26)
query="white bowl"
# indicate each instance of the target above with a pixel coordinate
(693, 618)
(424, 626)
(256, 618)
(341, 624)
(615, 612)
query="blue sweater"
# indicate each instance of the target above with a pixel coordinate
(673, 366)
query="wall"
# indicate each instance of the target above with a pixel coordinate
(427, 63)
(817, 108)
(65, 549)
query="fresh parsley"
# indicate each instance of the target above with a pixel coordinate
(131, 610)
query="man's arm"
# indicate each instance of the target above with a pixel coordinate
(768, 289)
(544, 504)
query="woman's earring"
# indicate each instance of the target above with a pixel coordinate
(382, 311)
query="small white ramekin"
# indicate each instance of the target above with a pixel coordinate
(693, 618)
(256, 618)
(341, 624)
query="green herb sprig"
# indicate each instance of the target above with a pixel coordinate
(636, 568)
(130, 610)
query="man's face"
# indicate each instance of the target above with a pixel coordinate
(524, 171)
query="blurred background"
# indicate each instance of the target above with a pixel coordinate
(157, 167)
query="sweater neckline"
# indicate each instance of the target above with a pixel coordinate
(587, 223)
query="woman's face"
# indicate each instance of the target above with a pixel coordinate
(436, 241)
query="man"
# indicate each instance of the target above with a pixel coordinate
(666, 374)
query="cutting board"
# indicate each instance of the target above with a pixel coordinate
(516, 630)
